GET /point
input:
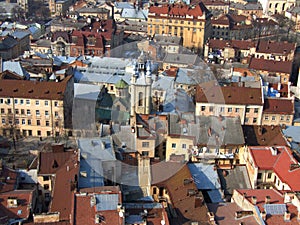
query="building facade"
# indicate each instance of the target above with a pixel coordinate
(30, 108)
(243, 102)
(192, 23)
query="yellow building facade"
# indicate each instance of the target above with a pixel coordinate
(192, 23)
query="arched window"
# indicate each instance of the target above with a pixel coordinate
(141, 98)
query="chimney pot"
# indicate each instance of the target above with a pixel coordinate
(254, 200)
(263, 215)
(287, 216)
(267, 199)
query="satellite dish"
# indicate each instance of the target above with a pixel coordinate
(121, 214)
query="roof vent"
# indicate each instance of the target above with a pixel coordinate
(30, 91)
(16, 89)
(47, 92)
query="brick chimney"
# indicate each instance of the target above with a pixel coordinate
(254, 200)
(267, 199)
(287, 216)
(198, 201)
(263, 215)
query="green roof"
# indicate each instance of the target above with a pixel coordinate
(121, 84)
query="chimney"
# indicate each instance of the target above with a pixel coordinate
(273, 150)
(263, 215)
(287, 216)
(267, 199)
(198, 201)
(298, 215)
(260, 130)
(254, 200)
(294, 166)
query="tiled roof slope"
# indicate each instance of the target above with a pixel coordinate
(64, 187)
(179, 10)
(50, 162)
(207, 93)
(184, 204)
(263, 135)
(279, 163)
(22, 209)
(273, 47)
(279, 106)
(33, 89)
(271, 65)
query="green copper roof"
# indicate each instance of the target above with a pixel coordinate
(121, 84)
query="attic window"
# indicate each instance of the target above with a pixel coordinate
(251, 96)
(55, 164)
(59, 92)
(47, 92)
(0, 89)
(16, 89)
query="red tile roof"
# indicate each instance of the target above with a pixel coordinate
(179, 10)
(85, 214)
(260, 194)
(274, 47)
(229, 95)
(172, 179)
(21, 211)
(8, 178)
(275, 198)
(225, 214)
(64, 187)
(279, 106)
(279, 163)
(222, 20)
(82, 38)
(271, 65)
(34, 89)
(51, 162)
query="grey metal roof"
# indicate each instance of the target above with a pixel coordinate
(86, 91)
(20, 34)
(106, 202)
(185, 59)
(225, 132)
(186, 76)
(293, 132)
(13, 67)
(128, 13)
(125, 137)
(93, 152)
(97, 148)
(163, 83)
(204, 175)
(8, 43)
